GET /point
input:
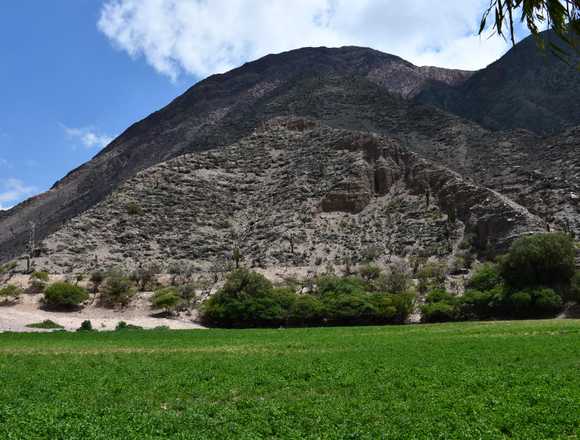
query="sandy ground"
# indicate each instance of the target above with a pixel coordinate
(27, 311)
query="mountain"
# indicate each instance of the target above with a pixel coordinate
(173, 163)
(526, 88)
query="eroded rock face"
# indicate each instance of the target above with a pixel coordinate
(370, 94)
(336, 194)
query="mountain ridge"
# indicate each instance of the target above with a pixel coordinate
(347, 88)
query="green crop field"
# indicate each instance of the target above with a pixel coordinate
(469, 380)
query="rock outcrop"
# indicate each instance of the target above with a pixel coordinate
(293, 193)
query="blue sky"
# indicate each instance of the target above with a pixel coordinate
(58, 71)
(76, 73)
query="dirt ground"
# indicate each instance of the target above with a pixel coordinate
(28, 311)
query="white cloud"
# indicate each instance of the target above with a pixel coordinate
(201, 37)
(4, 162)
(88, 137)
(13, 191)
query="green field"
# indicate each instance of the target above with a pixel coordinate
(469, 380)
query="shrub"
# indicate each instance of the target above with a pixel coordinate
(349, 308)
(167, 299)
(86, 326)
(431, 276)
(122, 325)
(42, 276)
(486, 277)
(247, 299)
(307, 310)
(475, 304)
(46, 324)
(398, 278)
(546, 301)
(438, 312)
(145, 276)
(540, 260)
(369, 272)
(63, 294)
(10, 293)
(96, 279)
(327, 284)
(133, 208)
(440, 295)
(117, 289)
(521, 302)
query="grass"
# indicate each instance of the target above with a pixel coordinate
(461, 380)
(46, 324)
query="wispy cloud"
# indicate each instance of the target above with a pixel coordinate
(4, 163)
(88, 137)
(13, 191)
(203, 37)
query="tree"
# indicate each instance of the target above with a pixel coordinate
(562, 16)
(540, 260)
(167, 299)
(118, 288)
(63, 294)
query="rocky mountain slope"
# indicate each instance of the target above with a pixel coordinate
(352, 89)
(293, 193)
(526, 88)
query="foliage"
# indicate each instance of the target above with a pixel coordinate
(431, 276)
(369, 272)
(493, 381)
(117, 289)
(168, 299)
(10, 293)
(63, 294)
(438, 312)
(145, 276)
(96, 278)
(133, 208)
(41, 275)
(485, 277)
(122, 325)
(249, 300)
(562, 16)
(539, 260)
(86, 326)
(46, 324)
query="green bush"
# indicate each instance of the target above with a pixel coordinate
(46, 324)
(168, 299)
(546, 301)
(486, 277)
(117, 289)
(249, 300)
(540, 260)
(331, 284)
(86, 326)
(41, 275)
(475, 304)
(122, 325)
(440, 295)
(63, 294)
(10, 293)
(438, 312)
(307, 310)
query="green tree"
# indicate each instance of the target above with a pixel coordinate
(63, 294)
(540, 260)
(167, 299)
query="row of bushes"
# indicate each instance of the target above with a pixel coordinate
(248, 299)
(532, 280)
